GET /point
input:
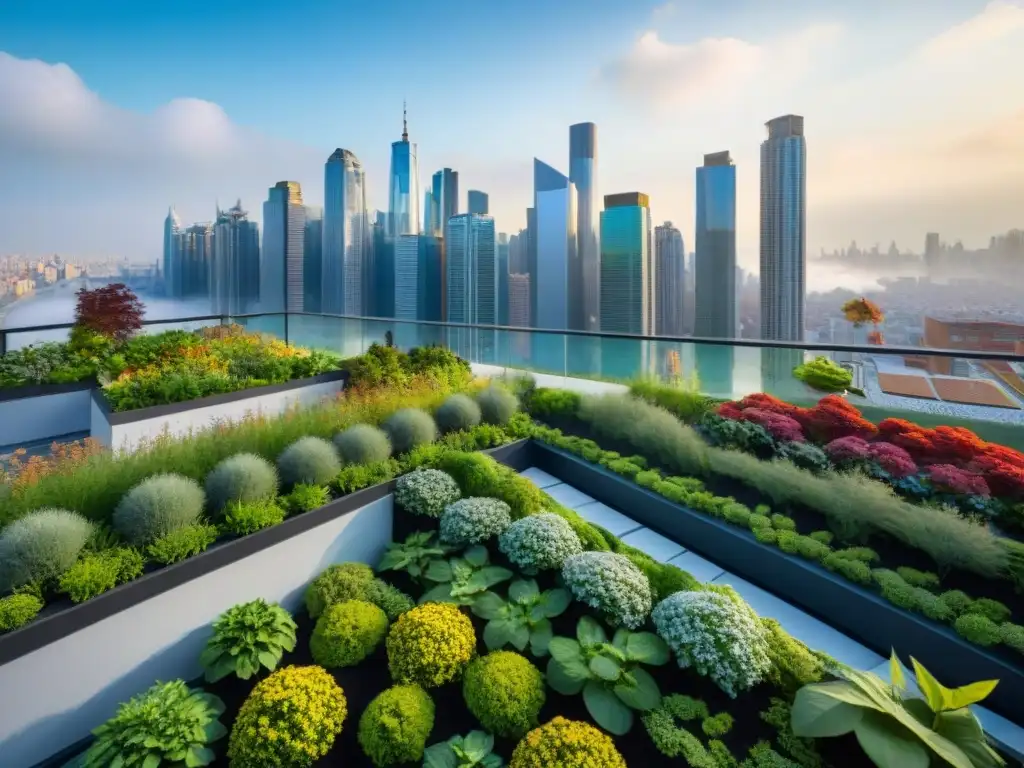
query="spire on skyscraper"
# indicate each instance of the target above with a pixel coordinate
(405, 124)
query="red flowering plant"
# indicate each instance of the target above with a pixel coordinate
(848, 450)
(781, 427)
(834, 417)
(893, 459)
(1004, 479)
(949, 479)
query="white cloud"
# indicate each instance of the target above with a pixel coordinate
(998, 20)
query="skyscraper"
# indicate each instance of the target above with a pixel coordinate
(471, 271)
(448, 201)
(530, 250)
(172, 226)
(555, 251)
(715, 300)
(502, 262)
(519, 300)
(312, 271)
(192, 261)
(284, 242)
(418, 278)
(235, 271)
(627, 280)
(783, 229)
(404, 191)
(583, 174)
(379, 269)
(344, 234)
(669, 280)
(478, 202)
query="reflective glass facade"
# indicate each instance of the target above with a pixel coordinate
(555, 220)
(478, 202)
(715, 263)
(284, 241)
(404, 191)
(417, 273)
(235, 271)
(502, 256)
(312, 277)
(669, 280)
(345, 235)
(585, 311)
(627, 280)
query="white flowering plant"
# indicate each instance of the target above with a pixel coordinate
(717, 634)
(611, 584)
(539, 542)
(474, 520)
(426, 492)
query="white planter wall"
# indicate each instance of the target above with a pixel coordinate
(45, 417)
(53, 697)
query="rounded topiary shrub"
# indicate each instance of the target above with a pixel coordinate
(474, 520)
(539, 542)
(41, 546)
(336, 584)
(395, 726)
(346, 633)
(430, 645)
(567, 744)
(310, 461)
(390, 599)
(505, 692)
(157, 506)
(289, 719)
(426, 492)
(410, 427)
(244, 477)
(497, 405)
(362, 444)
(611, 584)
(18, 610)
(458, 412)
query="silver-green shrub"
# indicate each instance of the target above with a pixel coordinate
(457, 413)
(41, 546)
(244, 477)
(309, 460)
(474, 520)
(362, 444)
(497, 405)
(539, 542)
(611, 584)
(157, 506)
(410, 427)
(426, 492)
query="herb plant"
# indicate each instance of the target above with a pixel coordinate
(464, 580)
(414, 556)
(525, 619)
(472, 751)
(246, 638)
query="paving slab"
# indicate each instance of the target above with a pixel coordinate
(540, 478)
(611, 520)
(568, 496)
(697, 566)
(654, 544)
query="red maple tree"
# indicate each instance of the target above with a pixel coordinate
(113, 311)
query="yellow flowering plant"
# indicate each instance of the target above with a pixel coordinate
(566, 744)
(430, 645)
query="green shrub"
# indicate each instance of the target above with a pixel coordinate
(480, 475)
(158, 506)
(347, 632)
(861, 554)
(395, 726)
(393, 601)
(505, 692)
(663, 725)
(783, 523)
(305, 498)
(165, 723)
(787, 541)
(758, 520)
(242, 477)
(685, 401)
(545, 403)
(309, 460)
(766, 535)
(473, 521)
(336, 584)
(426, 492)
(182, 543)
(977, 629)
(566, 744)
(918, 578)
(900, 593)
(825, 537)
(737, 514)
(430, 645)
(824, 374)
(811, 549)
(98, 572)
(1011, 635)
(41, 546)
(410, 427)
(992, 610)
(665, 579)
(497, 405)
(247, 638)
(804, 455)
(957, 601)
(791, 664)
(363, 444)
(855, 570)
(717, 725)
(458, 413)
(355, 477)
(243, 518)
(592, 537)
(18, 610)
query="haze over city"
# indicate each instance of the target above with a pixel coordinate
(911, 121)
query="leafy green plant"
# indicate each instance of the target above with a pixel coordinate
(169, 722)
(464, 580)
(347, 632)
(182, 543)
(474, 750)
(18, 610)
(246, 638)
(98, 572)
(245, 517)
(159, 505)
(525, 619)
(823, 374)
(897, 731)
(355, 477)
(41, 546)
(306, 498)
(608, 673)
(415, 555)
(243, 477)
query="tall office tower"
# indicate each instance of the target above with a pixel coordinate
(531, 252)
(447, 195)
(555, 292)
(583, 174)
(312, 269)
(172, 226)
(284, 244)
(715, 300)
(404, 193)
(192, 261)
(345, 234)
(519, 300)
(418, 278)
(378, 278)
(235, 273)
(502, 256)
(783, 229)
(470, 270)
(517, 256)
(436, 193)
(627, 298)
(478, 201)
(428, 212)
(669, 280)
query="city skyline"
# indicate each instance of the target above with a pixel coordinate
(197, 147)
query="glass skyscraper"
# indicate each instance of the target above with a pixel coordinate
(444, 200)
(417, 278)
(627, 280)
(404, 192)
(783, 229)
(669, 280)
(284, 240)
(235, 273)
(502, 255)
(715, 299)
(172, 226)
(345, 235)
(586, 296)
(554, 197)
(478, 202)
(472, 283)
(192, 261)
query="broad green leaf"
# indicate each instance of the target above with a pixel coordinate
(520, 636)
(497, 633)
(488, 606)
(210, 655)
(478, 743)
(606, 709)
(567, 679)
(522, 590)
(896, 671)
(647, 648)
(540, 636)
(476, 555)
(935, 693)
(919, 710)
(643, 695)
(962, 728)
(490, 575)
(442, 593)
(393, 559)
(461, 569)
(973, 693)
(214, 730)
(152, 761)
(620, 638)
(439, 756)
(565, 650)
(492, 761)
(555, 602)
(605, 668)
(438, 570)
(589, 632)
(818, 713)
(268, 659)
(889, 744)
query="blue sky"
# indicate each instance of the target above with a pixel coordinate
(913, 109)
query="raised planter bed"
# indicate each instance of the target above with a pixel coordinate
(71, 669)
(38, 412)
(861, 614)
(128, 429)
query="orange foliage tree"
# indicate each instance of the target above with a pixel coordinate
(863, 311)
